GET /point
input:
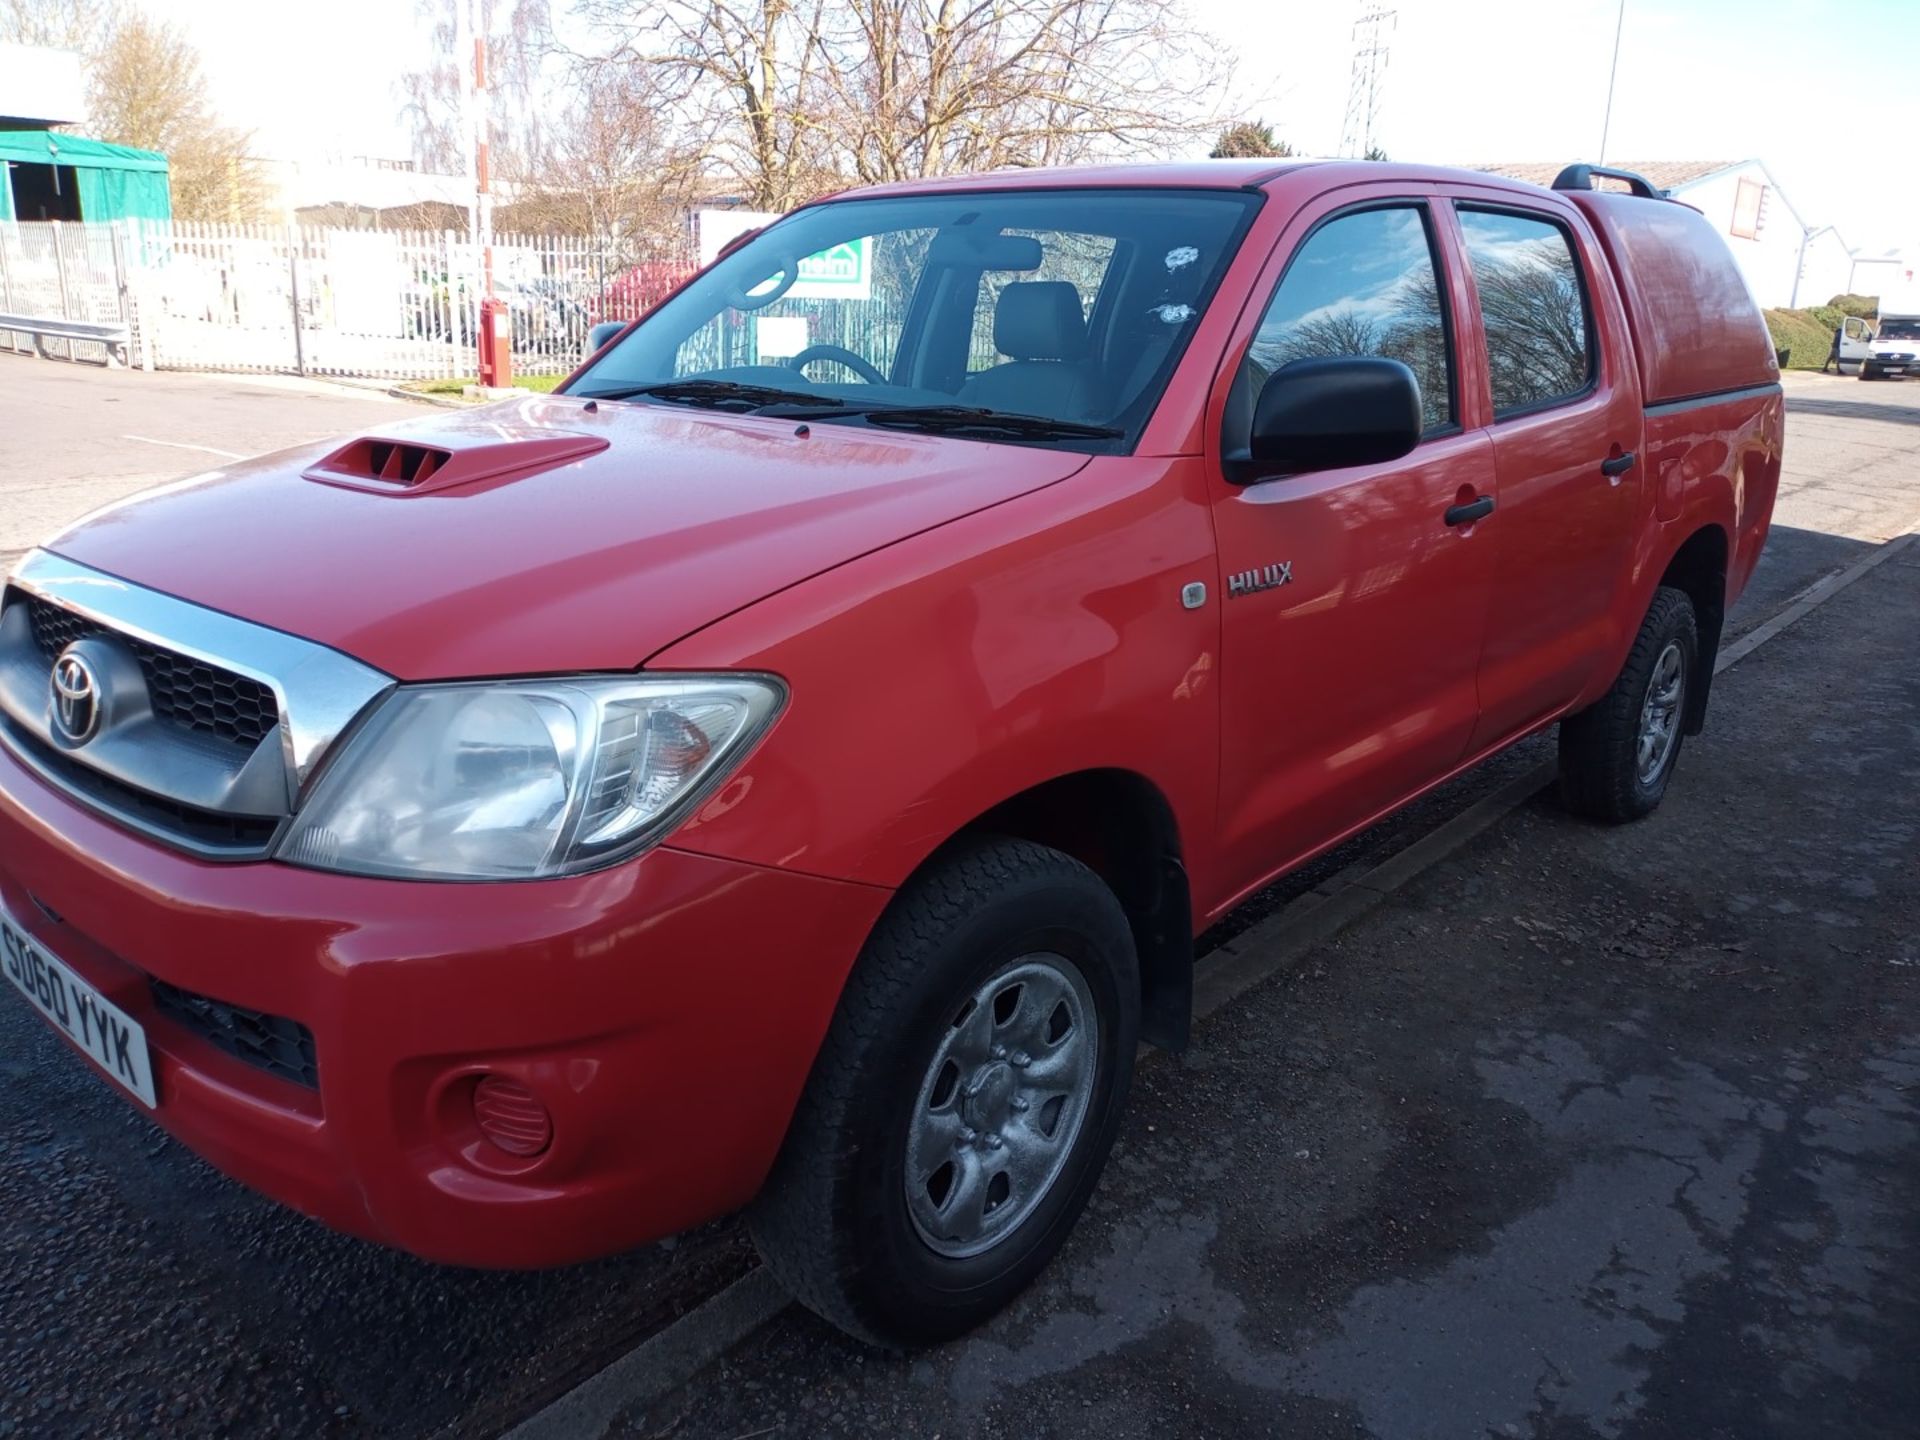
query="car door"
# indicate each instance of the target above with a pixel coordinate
(1351, 610)
(1566, 425)
(1856, 342)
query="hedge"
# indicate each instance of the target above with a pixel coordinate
(1805, 335)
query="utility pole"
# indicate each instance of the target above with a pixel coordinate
(1606, 120)
(1369, 65)
(462, 47)
(496, 366)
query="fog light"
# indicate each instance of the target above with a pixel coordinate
(511, 1116)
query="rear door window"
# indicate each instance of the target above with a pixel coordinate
(1364, 283)
(1533, 304)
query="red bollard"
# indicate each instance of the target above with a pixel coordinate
(496, 344)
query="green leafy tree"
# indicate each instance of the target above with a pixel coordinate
(1248, 140)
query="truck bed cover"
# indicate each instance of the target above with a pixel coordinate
(1696, 328)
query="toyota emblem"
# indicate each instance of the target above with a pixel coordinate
(76, 698)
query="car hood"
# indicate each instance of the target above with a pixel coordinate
(541, 535)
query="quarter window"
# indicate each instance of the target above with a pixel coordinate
(1533, 306)
(1362, 284)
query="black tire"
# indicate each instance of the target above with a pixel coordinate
(833, 1222)
(1867, 372)
(1600, 763)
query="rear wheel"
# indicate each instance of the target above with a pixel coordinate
(964, 1101)
(1617, 756)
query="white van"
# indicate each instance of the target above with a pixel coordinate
(1895, 347)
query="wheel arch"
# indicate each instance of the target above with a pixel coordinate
(1698, 570)
(1120, 825)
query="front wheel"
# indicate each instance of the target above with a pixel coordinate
(965, 1099)
(1617, 755)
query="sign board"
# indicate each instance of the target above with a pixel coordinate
(840, 272)
(40, 88)
(712, 229)
(778, 336)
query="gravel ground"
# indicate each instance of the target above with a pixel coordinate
(1588, 1132)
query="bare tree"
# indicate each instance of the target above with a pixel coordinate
(79, 25)
(519, 40)
(739, 81)
(606, 170)
(927, 87)
(788, 97)
(147, 91)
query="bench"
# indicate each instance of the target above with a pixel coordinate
(117, 337)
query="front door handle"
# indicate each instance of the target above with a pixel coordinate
(1473, 510)
(1615, 466)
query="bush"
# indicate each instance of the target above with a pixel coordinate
(1865, 306)
(1807, 340)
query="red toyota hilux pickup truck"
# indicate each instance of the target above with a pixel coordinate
(787, 768)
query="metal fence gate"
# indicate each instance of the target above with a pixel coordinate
(396, 304)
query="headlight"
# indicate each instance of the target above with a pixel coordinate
(525, 778)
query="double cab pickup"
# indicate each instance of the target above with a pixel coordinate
(786, 768)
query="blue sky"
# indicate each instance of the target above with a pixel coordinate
(1790, 81)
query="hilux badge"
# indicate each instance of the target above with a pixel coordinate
(1267, 577)
(76, 698)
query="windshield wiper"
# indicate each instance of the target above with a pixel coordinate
(997, 422)
(718, 394)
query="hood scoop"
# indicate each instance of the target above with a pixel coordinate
(395, 466)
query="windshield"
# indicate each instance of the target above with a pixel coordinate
(1901, 329)
(1064, 309)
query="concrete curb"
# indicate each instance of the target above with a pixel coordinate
(660, 1363)
(677, 1353)
(445, 402)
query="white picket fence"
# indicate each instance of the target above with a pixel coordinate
(396, 304)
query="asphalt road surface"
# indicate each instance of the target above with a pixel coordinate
(144, 1293)
(1588, 1132)
(79, 436)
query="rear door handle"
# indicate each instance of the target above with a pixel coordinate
(1617, 465)
(1473, 510)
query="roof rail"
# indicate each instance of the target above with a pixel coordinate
(1580, 177)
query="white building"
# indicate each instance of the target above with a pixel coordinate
(1890, 274)
(1787, 260)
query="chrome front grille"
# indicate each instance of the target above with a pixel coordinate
(203, 729)
(185, 692)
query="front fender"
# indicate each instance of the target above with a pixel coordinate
(939, 677)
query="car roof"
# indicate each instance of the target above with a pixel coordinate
(1195, 175)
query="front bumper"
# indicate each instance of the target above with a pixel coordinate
(1898, 362)
(666, 1011)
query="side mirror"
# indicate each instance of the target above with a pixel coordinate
(1329, 413)
(600, 334)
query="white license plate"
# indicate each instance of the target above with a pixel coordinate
(112, 1039)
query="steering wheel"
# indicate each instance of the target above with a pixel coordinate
(840, 356)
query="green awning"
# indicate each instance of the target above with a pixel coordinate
(117, 182)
